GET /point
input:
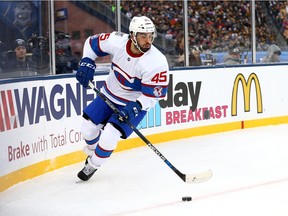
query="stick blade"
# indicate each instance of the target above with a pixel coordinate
(198, 177)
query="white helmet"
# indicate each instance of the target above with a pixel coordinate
(141, 24)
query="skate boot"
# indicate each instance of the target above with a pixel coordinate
(87, 172)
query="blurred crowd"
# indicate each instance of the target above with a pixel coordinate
(278, 11)
(220, 24)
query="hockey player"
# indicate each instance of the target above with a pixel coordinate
(137, 80)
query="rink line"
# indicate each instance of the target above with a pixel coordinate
(248, 187)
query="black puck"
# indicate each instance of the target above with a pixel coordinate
(186, 198)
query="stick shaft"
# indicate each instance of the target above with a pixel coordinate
(147, 142)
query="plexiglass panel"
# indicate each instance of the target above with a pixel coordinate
(24, 38)
(47, 37)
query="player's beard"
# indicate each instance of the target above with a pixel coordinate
(145, 48)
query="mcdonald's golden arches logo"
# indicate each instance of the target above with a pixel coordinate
(246, 86)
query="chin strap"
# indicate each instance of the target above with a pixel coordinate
(136, 44)
(134, 41)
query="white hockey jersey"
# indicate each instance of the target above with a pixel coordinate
(142, 77)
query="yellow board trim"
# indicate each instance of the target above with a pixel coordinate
(42, 167)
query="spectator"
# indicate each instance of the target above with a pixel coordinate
(19, 61)
(194, 57)
(65, 61)
(177, 57)
(272, 55)
(285, 34)
(233, 57)
(180, 59)
(39, 46)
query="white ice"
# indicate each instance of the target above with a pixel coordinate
(250, 178)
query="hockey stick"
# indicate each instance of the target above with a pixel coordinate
(188, 178)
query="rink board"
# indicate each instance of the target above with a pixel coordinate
(40, 117)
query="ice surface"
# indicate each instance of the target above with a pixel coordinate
(250, 177)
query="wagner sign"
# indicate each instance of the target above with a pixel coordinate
(246, 86)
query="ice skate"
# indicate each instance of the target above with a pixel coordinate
(87, 172)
